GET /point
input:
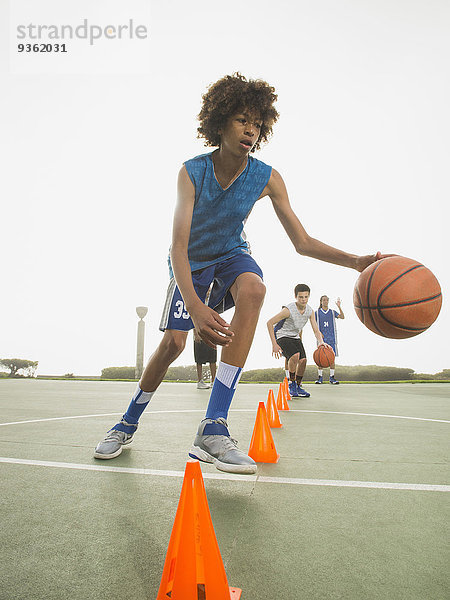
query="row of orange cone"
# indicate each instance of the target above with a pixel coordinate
(262, 447)
(193, 569)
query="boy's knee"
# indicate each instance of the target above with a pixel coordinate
(255, 292)
(174, 342)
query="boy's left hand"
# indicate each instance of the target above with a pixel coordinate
(362, 262)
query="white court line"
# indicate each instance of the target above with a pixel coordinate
(59, 419)
(247, 410)
(333, 412)
(416, 487)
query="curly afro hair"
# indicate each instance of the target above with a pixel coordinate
(235, 94)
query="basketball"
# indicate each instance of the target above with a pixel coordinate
(323, 357)
(397, 297)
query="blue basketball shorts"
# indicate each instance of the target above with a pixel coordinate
(217, 279)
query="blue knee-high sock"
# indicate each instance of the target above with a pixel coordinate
(137, 406)
(222, 393)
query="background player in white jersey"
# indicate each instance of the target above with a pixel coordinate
(326, 320)
(285, 330)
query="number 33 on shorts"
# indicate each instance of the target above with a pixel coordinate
(181, 312)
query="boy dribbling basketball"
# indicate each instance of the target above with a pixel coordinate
(216, 193)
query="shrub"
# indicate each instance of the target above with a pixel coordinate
(118, 373)
(186, 373)
(444, 374)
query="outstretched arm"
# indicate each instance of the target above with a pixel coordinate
(304, 243)
(209, 324)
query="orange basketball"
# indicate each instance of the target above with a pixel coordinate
(397, 297)
(323, 357)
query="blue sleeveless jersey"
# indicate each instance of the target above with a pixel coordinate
(217, 229)
(327, 326)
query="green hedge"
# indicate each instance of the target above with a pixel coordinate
(343, 373)
(118, 373)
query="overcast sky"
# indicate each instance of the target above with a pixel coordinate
(90, 164)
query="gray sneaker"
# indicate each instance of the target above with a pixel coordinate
(111, 446)
(213, 444)
(202, 385)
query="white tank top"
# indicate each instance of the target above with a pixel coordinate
(292, 325)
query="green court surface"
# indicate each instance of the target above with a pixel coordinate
(356, 507)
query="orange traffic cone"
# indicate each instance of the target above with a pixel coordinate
(193, 567)
(262, 447)
(272, 412)
(281, 399)
(286, 389)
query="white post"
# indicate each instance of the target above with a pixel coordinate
(141, 312)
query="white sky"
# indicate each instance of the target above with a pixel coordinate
(90, 165)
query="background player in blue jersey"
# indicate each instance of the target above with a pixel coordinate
(216, 193)
(326, 320)
(285, 329)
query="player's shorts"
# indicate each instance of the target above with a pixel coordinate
(204, 354)
(291, 346)
(221, 275)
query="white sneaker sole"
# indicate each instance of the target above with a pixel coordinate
(203, 456)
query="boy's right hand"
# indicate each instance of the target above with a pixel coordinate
(277, 351)
(210, 326)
